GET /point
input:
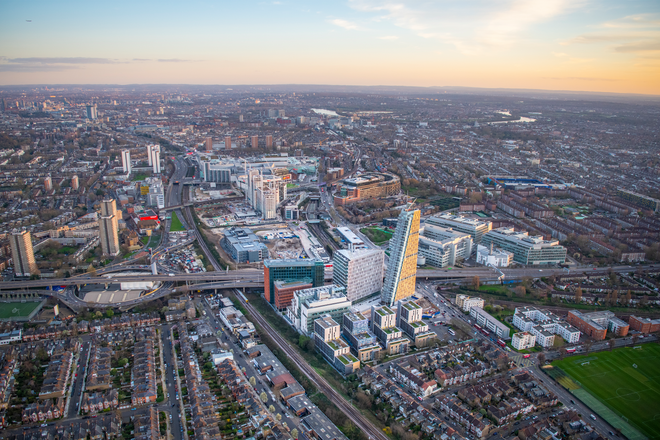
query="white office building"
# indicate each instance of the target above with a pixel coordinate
(360, 271)
(526, 249)
(442, 247)
(493, 257)
(523, 340)
(126, 161)
(354, 242)
(475, 228)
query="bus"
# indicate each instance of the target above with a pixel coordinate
(451, 332)
(571, 350)
(501, 343)
(526, 356)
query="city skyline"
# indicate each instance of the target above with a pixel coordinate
(603, 46)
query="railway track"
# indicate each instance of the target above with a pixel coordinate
(321, 384)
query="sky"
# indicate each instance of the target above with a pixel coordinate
(579, 45)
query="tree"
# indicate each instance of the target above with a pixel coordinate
(271, 408)
(109, 313)
(253, 381)
(615, 297)
(98, 315)
(91, 270)
(294, 433)
(562, 353)
(578, 295)
(541, 358)
(520, 291)
(635, 338)
(475, 283)
(263, 396)
(278, 417)
(285, 425)
(628, 297)
(122, 362)
(611, 343)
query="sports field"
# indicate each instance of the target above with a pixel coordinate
(625, 380)
(15, 310)
(176, 224)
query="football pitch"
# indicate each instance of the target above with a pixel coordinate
(15, 310)
(625, 380)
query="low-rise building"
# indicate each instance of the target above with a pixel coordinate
(544, 325)
(310, 304)
(493, 257)
(644, 325)
(243, 246)
(329, 343)
(526, 249)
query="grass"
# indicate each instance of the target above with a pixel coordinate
(176, 225)
(139, 177)
(21, 309)
(624, 382)
(376, 235)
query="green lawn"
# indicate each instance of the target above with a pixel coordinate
(9, 310)
(176, 224)
(376, 235)
(625, 380)
(139, 177)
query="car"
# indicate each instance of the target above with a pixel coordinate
(517, 423)
(573, 401)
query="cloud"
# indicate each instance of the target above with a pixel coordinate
(35, 67)
(389, 37)
(141, 59)
(581, 78)
(632, 34)
(172, 60)
(61, 60)
(344, 24)
(472, 26)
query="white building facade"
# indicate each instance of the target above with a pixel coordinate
(359, 271)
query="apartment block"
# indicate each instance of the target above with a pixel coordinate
(466, 302)
(308, 305)
(329, 343)
(485, 320)
(644, 325)
(383, 325)
(596, 324)
(523, 340)
(544, 325)
(362, 341)
(402, 265)
(410, 321)
(22, 253)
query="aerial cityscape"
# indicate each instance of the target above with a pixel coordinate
(197, 245)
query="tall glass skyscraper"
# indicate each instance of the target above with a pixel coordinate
(402, 266)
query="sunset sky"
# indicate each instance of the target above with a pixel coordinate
(608, 46)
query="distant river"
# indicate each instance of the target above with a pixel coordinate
(324, 112)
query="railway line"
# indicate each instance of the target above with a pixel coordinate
(322, 385)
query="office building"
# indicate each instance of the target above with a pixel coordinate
(409, 315)
(362, 341)
(291, 270)
(75, 184)
(328, 342)
(254, 140)
(526, 249)
(243, 246)
(269, 141)
(126, 161)
(488, 322)
(597, 324)
(156, 194)
(359, 271)
(217, 173)
(465, 302)
(353, 241)
(523, 340)
(227, 142)
(109, 227)
(22, 253)
(476, 228)
(488, 256)
(367, 186)
(284, 291)
(442, 247)
(383, 325)
(90, 112)
(402, 268)
(48, 183)
(308, 305)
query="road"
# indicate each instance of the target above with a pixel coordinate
(346, 407)
(171, 402)
(79, 381)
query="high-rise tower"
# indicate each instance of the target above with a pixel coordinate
(109, 227)
(22, 253)
(402, 265)
(126, 161)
